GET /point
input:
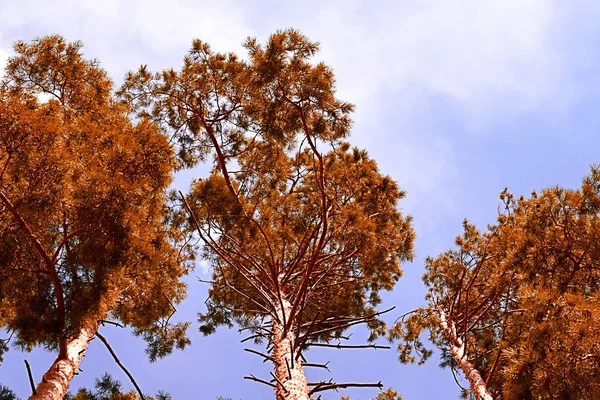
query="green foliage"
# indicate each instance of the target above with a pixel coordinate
(163, 338)
(523, 296)
(7, 394)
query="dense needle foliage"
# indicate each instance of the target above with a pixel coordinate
(522, 297)
(301, 229)
(83, 222)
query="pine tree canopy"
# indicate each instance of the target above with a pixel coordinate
(301, 229)
(84, 232)
(520, 299)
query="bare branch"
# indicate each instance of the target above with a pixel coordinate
(265, 356)
(278, 381)
(253, 378)
(325, 366)
(104, 321)
(348, 346)
(30, 378)
(121, 365)
(322, 386)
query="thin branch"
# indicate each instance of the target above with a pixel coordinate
(103, 339)
(321, 386)
(30, 378)
(278, 381)
(104, 321)
(357, 321)
(257, 336)
(265, 356)
(287, 364)
(325, 366)
(253, 378)
(348, 346)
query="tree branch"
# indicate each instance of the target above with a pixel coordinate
(30, 378)
(348, 346)
(50, 266)
(120, 364)
(278, 381)
(325, 366)
(265, 356)
(322, 386)
(104, 321)
(253, 378)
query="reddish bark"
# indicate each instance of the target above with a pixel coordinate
(288, 369)
(457, 349)
(56, 381)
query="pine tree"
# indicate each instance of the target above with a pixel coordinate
(516, 307)
(83, 233)
(302, 231)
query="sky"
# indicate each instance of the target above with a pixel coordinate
(456, 100)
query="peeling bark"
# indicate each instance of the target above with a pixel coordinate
(457, 349)
(56, 381)
(291, 382)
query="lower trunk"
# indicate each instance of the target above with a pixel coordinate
(291, 382)
(457, 349)
(56, 381)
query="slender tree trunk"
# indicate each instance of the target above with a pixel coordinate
(56, 381)
(288, 370)
(457, 349)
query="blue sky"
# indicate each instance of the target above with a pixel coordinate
(455, 100)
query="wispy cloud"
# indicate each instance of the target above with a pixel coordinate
(124, 34)
(397, 60)
(480, 54)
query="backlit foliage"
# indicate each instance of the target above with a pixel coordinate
(523, 296)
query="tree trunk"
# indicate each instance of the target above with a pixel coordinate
(56, 381)
(288, 369)
(457, 349)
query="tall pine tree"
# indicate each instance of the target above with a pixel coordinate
(83, 234)
(302, 231)
(516, 308)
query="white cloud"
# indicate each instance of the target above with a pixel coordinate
(489, 60)
(124, 35)
(477, 53)
(489, 57)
